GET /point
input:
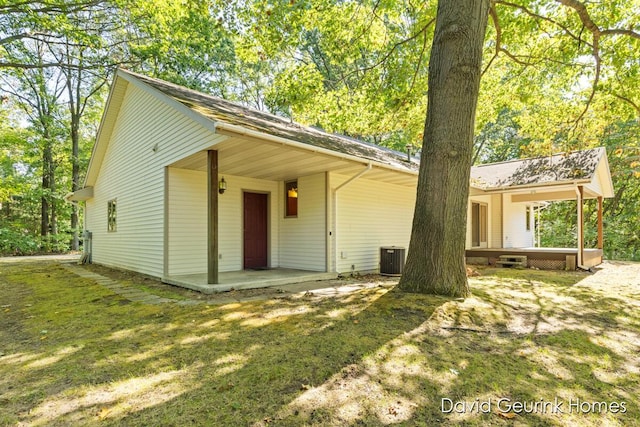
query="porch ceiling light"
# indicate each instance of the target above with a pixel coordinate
(222, 186)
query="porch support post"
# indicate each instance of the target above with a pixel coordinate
(212, 217)
(580, 224)
(600, 228)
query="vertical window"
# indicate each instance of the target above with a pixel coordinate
(291, 196)
(111, 215)
(527, 217)
(479, 220)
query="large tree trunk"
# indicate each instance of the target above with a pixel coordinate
(435, 261)
(47, 165)
(75, 182)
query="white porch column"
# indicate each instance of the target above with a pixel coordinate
(600, 228)
(580, 224)
(212, 217)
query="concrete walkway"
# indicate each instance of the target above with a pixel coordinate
(128, 292)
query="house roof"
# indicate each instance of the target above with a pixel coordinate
(556, 169)
(215, 113)
(220, 110)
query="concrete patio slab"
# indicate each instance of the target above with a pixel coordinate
(247, 279)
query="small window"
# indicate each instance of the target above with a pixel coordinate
(291, 193)
(111, 215)
(528, 218)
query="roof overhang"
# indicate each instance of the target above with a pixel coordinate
(551, 192)
(81, 195)
(257, 155)
(244, 151)
(107, 124)
(550, 178)
(598, 185)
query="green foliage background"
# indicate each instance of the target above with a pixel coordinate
(359, 67)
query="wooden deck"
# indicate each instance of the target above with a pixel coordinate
(542, 258)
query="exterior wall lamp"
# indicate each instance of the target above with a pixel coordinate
(222, 186)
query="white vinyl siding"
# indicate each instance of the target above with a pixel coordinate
(187, 213)
(515, 234)
(302, 238)
(188, 221)
(370, 215)
(148, 135)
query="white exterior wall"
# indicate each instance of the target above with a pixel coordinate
(370, 215)
(188, 221)
(515, 234)
(187, 227)
(133, 174)
(303, 239)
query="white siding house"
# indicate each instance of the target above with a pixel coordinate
(143, 138)
(294, 197)
(369, 216)
(303, 238)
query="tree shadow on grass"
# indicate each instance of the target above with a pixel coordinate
(371, 357)
(541, 348)
(85, 358)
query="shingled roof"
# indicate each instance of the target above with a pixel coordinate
(220, 110)
(558, 168)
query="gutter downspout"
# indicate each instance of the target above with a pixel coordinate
(353, 178)
(335, 212)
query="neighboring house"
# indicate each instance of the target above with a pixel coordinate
(188, 187)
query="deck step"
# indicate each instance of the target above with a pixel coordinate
(512, 260)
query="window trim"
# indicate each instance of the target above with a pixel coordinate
(291, 203)
(112, 215)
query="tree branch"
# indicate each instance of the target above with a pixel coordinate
(46, 7)
(28, 66)
(419, 63)
(496, 24)
(583, 13)
(629, 33)
(393, 49)
(628, 101)
(541, 17)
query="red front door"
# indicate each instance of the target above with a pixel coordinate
(255, 230)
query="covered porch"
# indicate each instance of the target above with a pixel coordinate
(519, 241)
(510, 196)
(210, 228)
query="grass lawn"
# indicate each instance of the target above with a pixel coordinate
(564, 345)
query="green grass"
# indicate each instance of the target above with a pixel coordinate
(73, 353)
